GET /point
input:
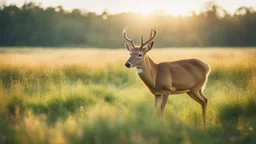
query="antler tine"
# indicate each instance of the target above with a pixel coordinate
(152, 35)
(154, 30)
(131, 41)
(124, 34)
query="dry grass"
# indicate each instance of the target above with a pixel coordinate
(88, 96)
(99, 57)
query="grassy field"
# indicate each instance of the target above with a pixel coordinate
(62, 96)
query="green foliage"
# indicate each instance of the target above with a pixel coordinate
(15, 106)
(31, 77)
(239, 120)
(231, 113)
(32, 25)
(6, 134)
(236, 76)
(106, 104)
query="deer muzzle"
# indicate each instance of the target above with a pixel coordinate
(128, 64)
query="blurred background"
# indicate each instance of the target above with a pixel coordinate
(63, 79)
(76, 23)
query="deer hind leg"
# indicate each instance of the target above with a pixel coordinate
(204, 105)
(203, 102)
(202, 95)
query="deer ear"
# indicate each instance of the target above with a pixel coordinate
(128, 47)
(149, 46)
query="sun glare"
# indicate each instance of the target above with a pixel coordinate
(174, 9)
(140, 8)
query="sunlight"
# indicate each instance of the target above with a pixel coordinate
(145, 7)
(179, 8)
(145, 10)
(174, 9)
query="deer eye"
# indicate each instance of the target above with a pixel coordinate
(140, 55)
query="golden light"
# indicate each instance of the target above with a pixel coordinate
(178, 10)
(145, 7)
(141, 8)
(169, 8)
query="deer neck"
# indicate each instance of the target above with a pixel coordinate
(147, 72)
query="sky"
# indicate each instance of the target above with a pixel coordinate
(176, 7)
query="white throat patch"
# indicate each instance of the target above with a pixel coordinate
(139, 70)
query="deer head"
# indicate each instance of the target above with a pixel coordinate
(138, 52)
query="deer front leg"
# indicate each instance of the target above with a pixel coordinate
(164, 102)
(163, 99)
(158, 98)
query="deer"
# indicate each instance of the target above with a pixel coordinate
(167, 78)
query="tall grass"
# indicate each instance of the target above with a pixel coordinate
(103, 102)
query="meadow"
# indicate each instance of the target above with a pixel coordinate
(65, 96)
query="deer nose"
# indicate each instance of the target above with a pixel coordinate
(128, 64)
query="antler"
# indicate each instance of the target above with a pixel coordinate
(131, 41)
(152, 35)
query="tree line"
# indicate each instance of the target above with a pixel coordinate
(32, 25)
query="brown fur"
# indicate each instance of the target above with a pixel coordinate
(167, 78)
